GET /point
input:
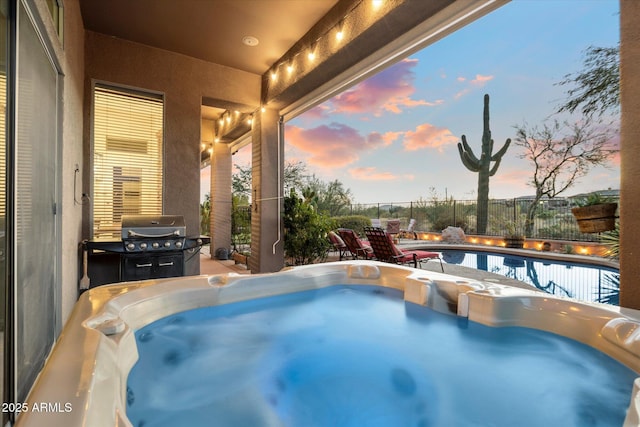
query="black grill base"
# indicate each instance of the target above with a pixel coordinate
(151, 266)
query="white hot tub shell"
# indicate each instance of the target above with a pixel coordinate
(84, 380)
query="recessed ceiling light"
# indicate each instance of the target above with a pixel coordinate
(250, 41)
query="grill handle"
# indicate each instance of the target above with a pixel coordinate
(153, 236)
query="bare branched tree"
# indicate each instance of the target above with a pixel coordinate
(562, 153)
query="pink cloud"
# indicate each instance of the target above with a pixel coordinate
(428, 136)
(388, 91)
(480, 80)
(333, 146)
(317, 112)
(384, 139)
(517, 180)
(371, 174)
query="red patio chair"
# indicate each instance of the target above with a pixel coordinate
(357, 248)
(384, 249)
(338, 244)
(393, 227)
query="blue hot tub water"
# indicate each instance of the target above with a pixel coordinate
(361, 356)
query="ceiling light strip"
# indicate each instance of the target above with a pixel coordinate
(414, 40)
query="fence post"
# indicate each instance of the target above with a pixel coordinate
(455, 222)
(410, 210)
(378, 211)
(515, 216)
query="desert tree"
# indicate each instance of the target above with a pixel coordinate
(595, 90)
(561, 153)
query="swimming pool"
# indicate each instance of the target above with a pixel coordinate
(90, 364)
(586, 282)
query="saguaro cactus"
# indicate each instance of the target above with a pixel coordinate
(482, 166)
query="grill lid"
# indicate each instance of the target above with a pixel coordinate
(152, 226)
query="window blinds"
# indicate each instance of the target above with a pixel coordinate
(127, 158)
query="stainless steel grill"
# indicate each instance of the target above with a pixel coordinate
(153, 233)
(154, 246)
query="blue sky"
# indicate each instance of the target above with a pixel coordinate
(392, 138)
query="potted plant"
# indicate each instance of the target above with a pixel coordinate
(514, 237)
(595, 213)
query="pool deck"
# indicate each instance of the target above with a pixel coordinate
(214, 266)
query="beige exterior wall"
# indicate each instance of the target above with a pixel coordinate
(72, 153)
(267, 164)
(184, 81)
(220, 221)
(629, 153)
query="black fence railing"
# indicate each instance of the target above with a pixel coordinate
(552, 220)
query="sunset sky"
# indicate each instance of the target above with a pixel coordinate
(393, 137)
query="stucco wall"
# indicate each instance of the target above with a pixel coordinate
(71, 231)
(184, 81)
(629, 153)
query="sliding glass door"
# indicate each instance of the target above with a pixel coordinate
(36, 247)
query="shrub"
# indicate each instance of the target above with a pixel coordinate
(356, 223)
(305, 231)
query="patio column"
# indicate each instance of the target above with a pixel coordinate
(220, 217)
(629, 154)
(267, 170)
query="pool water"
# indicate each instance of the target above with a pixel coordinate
(585, 282)
(361, 356)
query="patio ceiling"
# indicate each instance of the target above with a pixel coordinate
(211, 30)
(380, 33)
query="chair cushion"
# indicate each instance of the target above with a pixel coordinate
(364, 246)
(336, 239)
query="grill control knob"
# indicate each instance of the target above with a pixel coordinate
(143, 246)
(130, 246)
(167, 244)
(178, 244)
(155, 245)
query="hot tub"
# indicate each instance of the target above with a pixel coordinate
(84, 382)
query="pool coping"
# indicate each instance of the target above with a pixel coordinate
(571, 258)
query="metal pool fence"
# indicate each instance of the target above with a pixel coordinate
(553, 218)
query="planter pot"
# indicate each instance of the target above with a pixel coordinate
(596, 218)
(239, 258)
(514, 242)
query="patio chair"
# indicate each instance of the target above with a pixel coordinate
(393, 227)
(338, 244)
(384, 249)
(357, 248)
(410, 230)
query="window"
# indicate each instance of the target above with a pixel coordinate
(127, 157)
(57, 15)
